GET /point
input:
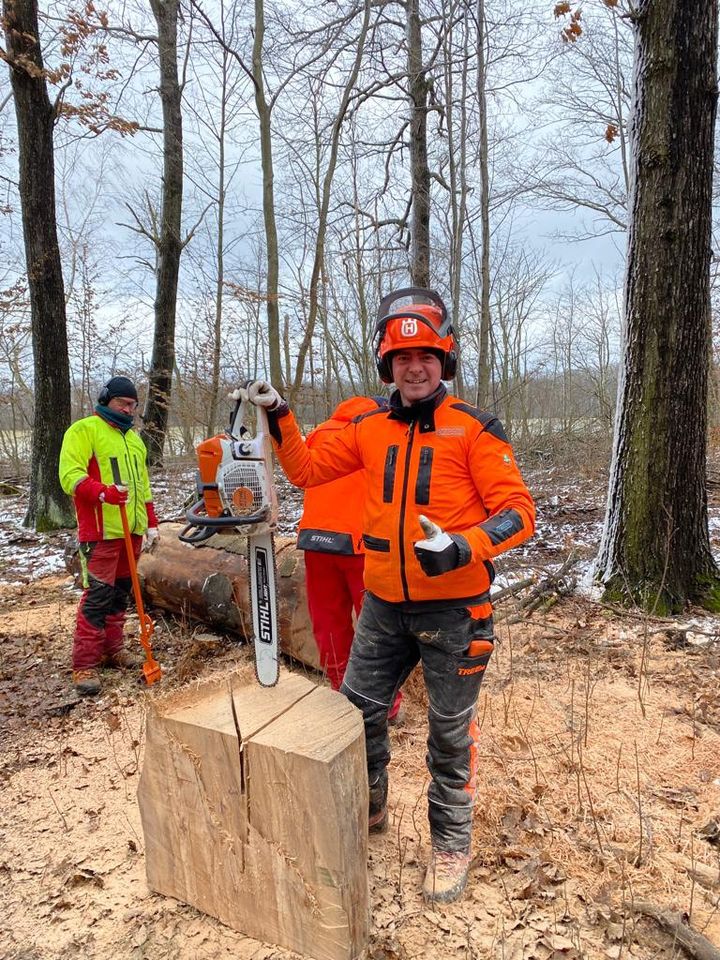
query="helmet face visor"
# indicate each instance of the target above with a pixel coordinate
(403, 301)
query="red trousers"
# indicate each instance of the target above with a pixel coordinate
(101, 611)
(335, 589)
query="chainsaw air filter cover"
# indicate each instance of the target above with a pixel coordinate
(244, 487)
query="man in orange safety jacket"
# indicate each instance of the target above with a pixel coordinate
(444, 497)
(330, 533)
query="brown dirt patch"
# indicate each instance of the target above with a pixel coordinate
(600, 768)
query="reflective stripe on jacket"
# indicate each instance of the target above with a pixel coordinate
(332, 518)
(444, 459)
(87, 447)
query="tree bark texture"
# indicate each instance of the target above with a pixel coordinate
(484, 365)
(264, 110)
(49, 508)
(210, 584)
(169, 243)
(655, 546)
(419, 170)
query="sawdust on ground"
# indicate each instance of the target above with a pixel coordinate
(599, 784)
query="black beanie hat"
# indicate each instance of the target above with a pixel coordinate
(117, 387)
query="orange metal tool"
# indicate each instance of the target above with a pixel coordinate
(151, 668)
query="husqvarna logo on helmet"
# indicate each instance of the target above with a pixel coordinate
(408, 328)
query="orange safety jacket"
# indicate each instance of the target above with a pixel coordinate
(332, 518)
(442, 458)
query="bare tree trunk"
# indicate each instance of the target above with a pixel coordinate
(169, 245)
(319, 258)
(220, 253)
(457, 163)
(48, 506)
(619, 107)
(655, 548)
(484, 365)
(271, 240)
(419, 170)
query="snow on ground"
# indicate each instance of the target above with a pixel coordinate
(570, 510)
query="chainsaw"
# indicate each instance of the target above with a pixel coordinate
(237, 494)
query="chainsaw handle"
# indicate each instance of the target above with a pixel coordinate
(197, 536)
(236, 426)
(196, 519)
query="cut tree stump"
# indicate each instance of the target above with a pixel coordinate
(254, 805)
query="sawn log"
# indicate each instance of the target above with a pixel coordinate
(210, 583)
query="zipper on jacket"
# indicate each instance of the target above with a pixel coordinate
(422, 484)
(403, 502)
(389, 473)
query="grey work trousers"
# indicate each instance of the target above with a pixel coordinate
(388, 643)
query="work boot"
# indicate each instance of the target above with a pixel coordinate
(87, 682)
(122, 659)
(446, 876)
(377, 812)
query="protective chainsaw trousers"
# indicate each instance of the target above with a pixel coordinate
(454, 646)
(335, 589)
(101, 612)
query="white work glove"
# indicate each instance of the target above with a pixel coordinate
(152, 537)
(440, 551)
(263, 394)
(259, 392)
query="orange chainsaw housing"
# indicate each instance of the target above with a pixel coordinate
(210, 455)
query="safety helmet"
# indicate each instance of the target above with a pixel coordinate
(414, 317)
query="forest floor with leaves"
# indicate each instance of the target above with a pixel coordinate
(597, 825)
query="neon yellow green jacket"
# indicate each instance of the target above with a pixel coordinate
(85, 470)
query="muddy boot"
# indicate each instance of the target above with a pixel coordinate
(377, 813)
(87, 682)
(122, 659)
(446, 876)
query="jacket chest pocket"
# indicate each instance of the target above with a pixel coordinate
(422, 484)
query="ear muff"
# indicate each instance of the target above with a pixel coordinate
(384, 367)
(104, 397)
(450, 364)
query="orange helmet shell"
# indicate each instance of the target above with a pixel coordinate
(407, 331)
